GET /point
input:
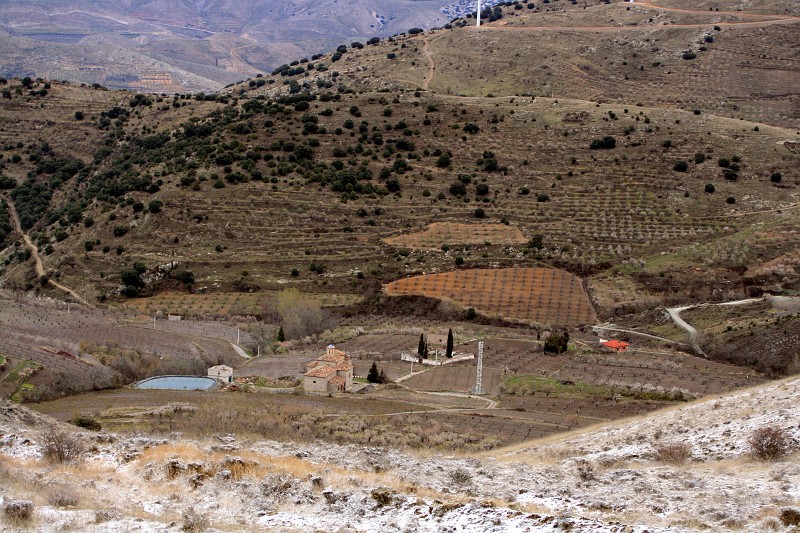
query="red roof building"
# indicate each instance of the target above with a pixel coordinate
(615, 345)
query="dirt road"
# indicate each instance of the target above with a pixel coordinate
(675, 314)
(763, 20)
(426, 50)
(39, 267)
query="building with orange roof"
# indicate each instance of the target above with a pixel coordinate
(615, 345)
(333, 372)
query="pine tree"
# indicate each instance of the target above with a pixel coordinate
(373, 376)
(449, 352)
(281, 336)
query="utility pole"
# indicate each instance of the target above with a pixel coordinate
(478, 25)
(479, 374)
(154, 322)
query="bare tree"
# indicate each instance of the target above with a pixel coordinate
(302, 316)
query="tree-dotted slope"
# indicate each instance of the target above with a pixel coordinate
(439, 234)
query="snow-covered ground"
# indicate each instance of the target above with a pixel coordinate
(601, 479)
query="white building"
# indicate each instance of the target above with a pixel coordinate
(222, 373)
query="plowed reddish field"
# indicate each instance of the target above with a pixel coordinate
(542, 295)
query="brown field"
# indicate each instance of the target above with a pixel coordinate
(543, 295)
(456, 377)
(440, 233)
(220, 305)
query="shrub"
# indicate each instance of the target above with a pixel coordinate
(87, 422)
(710, 188)
(681, 166)
(689, 55)
(119, 231)
(194, 522)
(556, 343)
(790, 517)
(730, 174)
(673, 452)
(769, 443)
(459, 261)
(18, 512)
(63, 497)
(480, 213)
(460, 476)
(469, 127)
(606, 143)
(776, 177)
(731, 200)
(471, 313)
(414, 31)
(60, 446)
(458, 189)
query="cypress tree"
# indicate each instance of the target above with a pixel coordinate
(281, 336)
(422, 349)
(373, 376)
(449, 352)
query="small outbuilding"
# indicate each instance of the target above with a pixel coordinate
(615, 345)
(222, 373)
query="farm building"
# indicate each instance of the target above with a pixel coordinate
(614, 345)
(333, 372)
(222, 373)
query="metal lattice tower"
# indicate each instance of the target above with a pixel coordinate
(479, 375)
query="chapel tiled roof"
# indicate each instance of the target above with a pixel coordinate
(322, 371)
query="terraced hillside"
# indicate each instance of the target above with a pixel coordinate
(321, 175)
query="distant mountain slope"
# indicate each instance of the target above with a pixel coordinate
(167, 46)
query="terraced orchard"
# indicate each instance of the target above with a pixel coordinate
(439, 234)
(542, 295)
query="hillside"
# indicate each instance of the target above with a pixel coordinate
(339, 175)
(164, 47)
(232, 483)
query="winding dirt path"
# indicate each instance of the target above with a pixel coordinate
(238, 59)
(426, 50)
(39, 267)
(675, 314)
